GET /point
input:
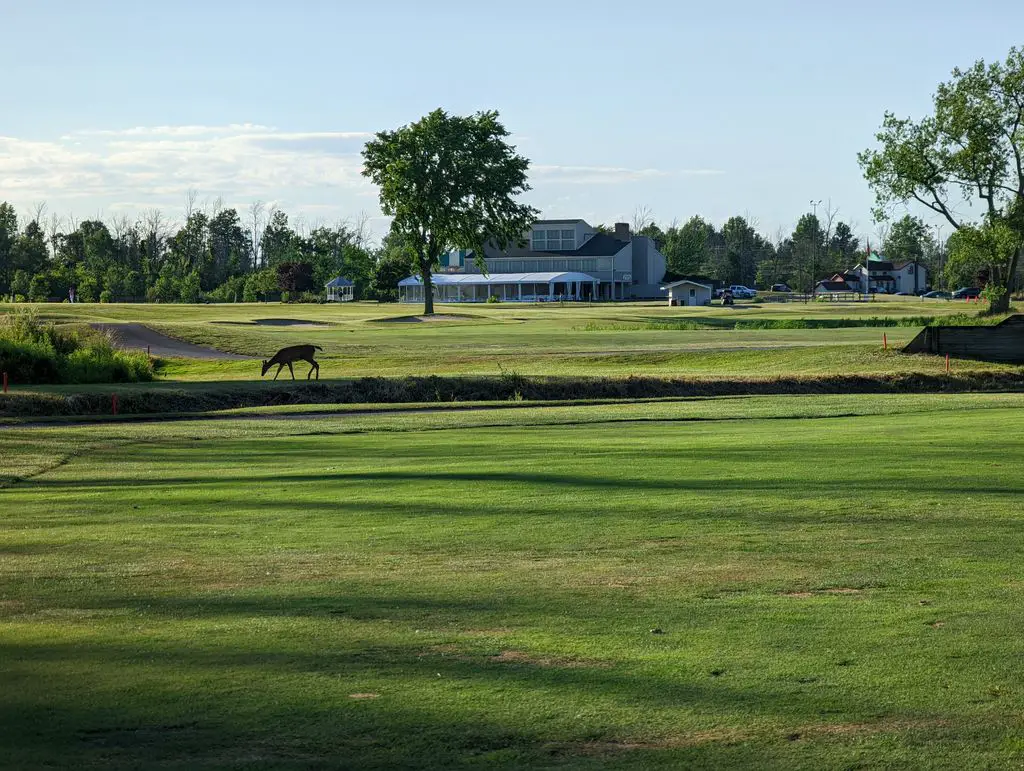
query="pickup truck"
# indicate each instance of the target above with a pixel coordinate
(742, 293)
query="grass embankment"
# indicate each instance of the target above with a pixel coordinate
(508, 387)
(34, 351)
(584, 592)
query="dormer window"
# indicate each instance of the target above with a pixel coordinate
(553, 240)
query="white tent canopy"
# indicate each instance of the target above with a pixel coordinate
(509, 287)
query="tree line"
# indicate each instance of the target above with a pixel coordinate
(817, 248)
(215, 254)
(218, 254)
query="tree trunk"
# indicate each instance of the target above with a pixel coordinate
(428, 289)
(1002, 305)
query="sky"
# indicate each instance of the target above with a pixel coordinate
(749, 107)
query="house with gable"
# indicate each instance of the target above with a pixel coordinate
(878, 274)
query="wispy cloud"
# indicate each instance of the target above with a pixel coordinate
(609, 175)
(158, 164)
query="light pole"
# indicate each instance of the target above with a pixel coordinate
(938, 243)
(814, 252)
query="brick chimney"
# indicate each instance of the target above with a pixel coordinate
(622, 231)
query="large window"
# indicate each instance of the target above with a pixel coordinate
(551, 240)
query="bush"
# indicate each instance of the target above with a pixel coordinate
(34, 352)
(106, 296)
(231, 291)
(191, 291)
(493, 299)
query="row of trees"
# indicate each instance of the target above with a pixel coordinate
(213, 253)
(819, 246)
(216, 255)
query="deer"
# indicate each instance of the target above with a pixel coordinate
(290, 354)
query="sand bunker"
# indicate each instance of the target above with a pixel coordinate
(429, 319)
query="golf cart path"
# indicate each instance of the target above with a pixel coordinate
(139, 336)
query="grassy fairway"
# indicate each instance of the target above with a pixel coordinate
(480, 588)
(364, 339)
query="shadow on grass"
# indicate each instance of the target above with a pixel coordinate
(276, 703)
(880, 486)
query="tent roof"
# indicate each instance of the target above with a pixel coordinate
(479, 279)
(339, 281)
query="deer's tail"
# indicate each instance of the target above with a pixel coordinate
(318, 347)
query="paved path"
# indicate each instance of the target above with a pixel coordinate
(139, 336)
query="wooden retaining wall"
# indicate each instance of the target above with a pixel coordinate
(1003, 342)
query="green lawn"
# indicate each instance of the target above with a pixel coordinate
(829, 583)
(364, 339)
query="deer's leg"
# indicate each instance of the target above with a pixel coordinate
(313, 366)
(291, 369)
(279, 368)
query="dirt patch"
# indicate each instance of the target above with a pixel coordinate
(364, 696)
(559, 662)
(820, 592)
(454, 651)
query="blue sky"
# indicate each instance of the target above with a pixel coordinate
(731, 107)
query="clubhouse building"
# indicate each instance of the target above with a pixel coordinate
(559, 260)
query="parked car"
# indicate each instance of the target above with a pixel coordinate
(938, 294)
(742, 293)
(966, 293)
(781, 288)
(904, 294)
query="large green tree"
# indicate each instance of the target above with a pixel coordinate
(909, 239)
(971, 148)
(686, 248)
(450, 182)
(8, 236)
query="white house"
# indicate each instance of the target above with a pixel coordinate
(616, 266)
(881, 275)
(339, 290)
(688, 292)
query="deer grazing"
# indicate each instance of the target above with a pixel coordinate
(290, 354)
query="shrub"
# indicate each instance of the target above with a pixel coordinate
(34, 352)
(493, 299)
(106, 296)
(191, 291)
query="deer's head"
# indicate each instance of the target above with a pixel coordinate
(266, 366)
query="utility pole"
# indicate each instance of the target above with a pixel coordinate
(938, 242)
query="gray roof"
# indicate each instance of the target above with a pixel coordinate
(339, 281)
(557, 222)
(687, 281)
(601, 245)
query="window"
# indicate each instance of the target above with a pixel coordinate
(561, 240)
(693, 293)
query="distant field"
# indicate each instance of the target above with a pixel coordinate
(715, 583)
(367, 339)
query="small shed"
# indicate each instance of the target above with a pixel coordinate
(687, 292)
(339, 290)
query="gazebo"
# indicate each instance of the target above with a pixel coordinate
(339, 290)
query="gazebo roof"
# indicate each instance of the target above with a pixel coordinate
(339, 281)
(479, 279)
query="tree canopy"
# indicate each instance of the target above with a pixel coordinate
(450, 182)
(970, 150)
